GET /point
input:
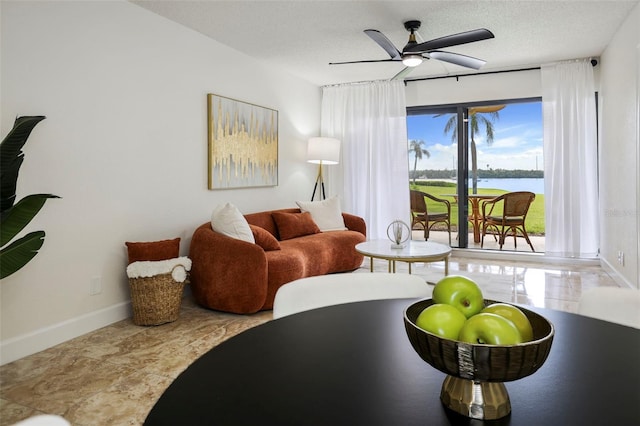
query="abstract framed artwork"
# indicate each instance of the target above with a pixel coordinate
(243, 144)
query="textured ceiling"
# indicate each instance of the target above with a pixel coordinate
(303, 36)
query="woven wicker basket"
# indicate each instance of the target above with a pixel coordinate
(155, 300)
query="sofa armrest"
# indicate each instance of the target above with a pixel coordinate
(355, 223)
(227, 274)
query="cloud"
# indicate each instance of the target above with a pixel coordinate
(440, 148)
(510, 142)
(444, 157)
(519, 127)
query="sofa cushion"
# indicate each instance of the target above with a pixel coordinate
(153, 250)
(227, 220)
(264, 238)
(327, 214)
(292, 225)
(317, 254)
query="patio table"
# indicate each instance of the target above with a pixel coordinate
(475, 217)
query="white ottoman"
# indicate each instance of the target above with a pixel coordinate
(325, 290)
(43, 420)
(613, 304)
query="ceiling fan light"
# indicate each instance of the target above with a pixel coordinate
(412, 60)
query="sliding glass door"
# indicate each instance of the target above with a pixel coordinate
(473, 152)
(438, 165)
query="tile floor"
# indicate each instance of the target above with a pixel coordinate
(114, 375)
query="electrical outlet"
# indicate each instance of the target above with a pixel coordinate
(95, 287)
(621, 258)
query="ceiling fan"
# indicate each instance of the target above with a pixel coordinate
(414, 53)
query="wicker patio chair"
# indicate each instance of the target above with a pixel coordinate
(421, 215)
(506, 214)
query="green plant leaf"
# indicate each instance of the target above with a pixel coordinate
(11, 157)
(17, 217)
(20, 252)
(8, 185)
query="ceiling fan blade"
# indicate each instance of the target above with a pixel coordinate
(451, 40)
(385, 43)
(361, 62)
(402, 74)
(457, 59)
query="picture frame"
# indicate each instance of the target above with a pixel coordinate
(242, 144)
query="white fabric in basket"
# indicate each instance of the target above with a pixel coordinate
(146, 269)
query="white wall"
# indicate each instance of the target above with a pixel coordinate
(619, 146)
(125, 146)
(489, 87)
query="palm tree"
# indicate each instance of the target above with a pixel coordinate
(415, 147)
(476, 118)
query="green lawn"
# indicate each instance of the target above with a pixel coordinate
(535, 217)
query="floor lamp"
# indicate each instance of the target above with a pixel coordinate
(321, 151)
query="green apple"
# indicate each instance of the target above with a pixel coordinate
(443, 320)
(490, 329)
(460, 292)
(515, 315)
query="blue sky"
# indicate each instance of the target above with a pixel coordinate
(517, 140)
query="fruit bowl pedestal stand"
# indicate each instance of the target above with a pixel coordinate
(475, 386)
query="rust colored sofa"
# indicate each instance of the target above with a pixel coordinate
(232, 275)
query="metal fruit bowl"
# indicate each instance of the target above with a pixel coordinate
(474, 386)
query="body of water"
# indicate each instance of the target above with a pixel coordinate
(534, 185)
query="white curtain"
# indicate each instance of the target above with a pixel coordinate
(372, 177)
(570, 159)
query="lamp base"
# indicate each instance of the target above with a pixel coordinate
(319, 181)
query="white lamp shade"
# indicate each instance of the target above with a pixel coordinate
(323, 150)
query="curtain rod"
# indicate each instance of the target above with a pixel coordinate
(594, 62)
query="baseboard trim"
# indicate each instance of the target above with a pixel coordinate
(617, 277)
(47, 337)
(540, 258)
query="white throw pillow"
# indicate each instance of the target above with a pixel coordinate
(327, 214)
(227, 220)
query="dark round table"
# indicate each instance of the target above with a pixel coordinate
(353, 365)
